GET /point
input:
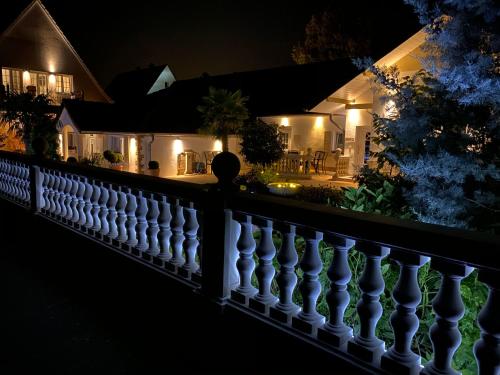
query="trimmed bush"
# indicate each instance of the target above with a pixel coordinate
(153, 164)
(110, 156)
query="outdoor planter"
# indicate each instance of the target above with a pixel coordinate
(284, 188)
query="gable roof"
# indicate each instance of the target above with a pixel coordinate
(139, 82)
(277, 91)
(37, 5)
(357, 85)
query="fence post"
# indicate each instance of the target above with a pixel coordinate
(35, 187)
(218, 230)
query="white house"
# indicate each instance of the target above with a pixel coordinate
(321, 107)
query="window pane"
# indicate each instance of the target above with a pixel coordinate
(42, 84)
(33, 79)
(16, 80)
(67, 84)
(5, 77)
(59, 85)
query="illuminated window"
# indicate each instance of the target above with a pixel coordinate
(42, 84)
(16, 80)
(59, 84)
(67, 84)
(118, 144)
(283, 137)
(5, 77)
(33, 79)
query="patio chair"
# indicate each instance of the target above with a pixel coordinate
(318, 161)
(209, 157)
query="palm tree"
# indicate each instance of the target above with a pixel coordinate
(223, 113)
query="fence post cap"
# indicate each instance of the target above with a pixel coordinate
(226, 167)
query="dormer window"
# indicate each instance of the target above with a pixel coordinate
(11, 79)
(16, 81)
(64, 84)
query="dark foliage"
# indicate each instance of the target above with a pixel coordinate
(260, 143)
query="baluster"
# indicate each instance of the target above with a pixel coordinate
(121, 215)
(265, 271)
(245, 264)
(103, 210)
(142, 224)
(234, 277)
(15, 174)
(407, 296)
(80, 193)
(366, 345)
(44, 202)
(286, 279)
(165, 232)
(96, 194)
(487, 348)
(26, 183)
(130, 209)
(112, 214)
(2, 175)
(308, 319)
(11, 181)
(178, 234)
(191, 244)
(87, 196)
(6, 178)
(57, 193)
(52, 207)
(74, 200)
(67, 199)
(22, 184)
(335, 331)
(449, 309)
(153, 228)
(61, 210)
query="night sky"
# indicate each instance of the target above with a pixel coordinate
(192, 37)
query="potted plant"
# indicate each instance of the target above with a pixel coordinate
(114, 158)
(154, 168)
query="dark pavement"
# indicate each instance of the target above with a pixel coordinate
(69, 306)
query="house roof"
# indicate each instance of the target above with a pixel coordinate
(278, 91)
(130, 85)
(13, 17)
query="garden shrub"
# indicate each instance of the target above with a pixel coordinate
(320, 194)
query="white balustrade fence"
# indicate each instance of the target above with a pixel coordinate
(282, 284)
(15, 181)
(280, 261)
(157, 228)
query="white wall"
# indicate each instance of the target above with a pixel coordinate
(165, 149)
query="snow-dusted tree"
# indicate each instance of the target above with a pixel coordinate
(444, 130)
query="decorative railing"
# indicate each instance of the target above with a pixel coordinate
(251, 262)
(15, 181)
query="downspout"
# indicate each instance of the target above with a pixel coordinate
(330, 116)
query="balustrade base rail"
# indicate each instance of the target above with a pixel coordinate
(145, 258)
(272, 258)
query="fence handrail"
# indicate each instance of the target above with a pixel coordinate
(474, 248)
(133, 180)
